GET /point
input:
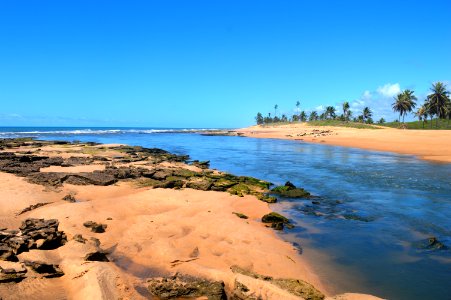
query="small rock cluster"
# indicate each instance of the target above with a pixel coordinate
(33, 234)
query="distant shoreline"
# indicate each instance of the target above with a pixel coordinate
(431, 145)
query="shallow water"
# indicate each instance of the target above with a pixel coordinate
(393, 201)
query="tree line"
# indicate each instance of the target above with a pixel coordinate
(437, 104)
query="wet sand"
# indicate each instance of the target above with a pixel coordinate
(434, 145)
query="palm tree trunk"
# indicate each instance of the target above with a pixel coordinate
(436, 121)
(423, 124)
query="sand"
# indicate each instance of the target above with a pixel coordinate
(433, 145)
(150, 232)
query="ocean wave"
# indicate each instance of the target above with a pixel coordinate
(99, 131)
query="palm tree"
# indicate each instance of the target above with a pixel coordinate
(438, 100)
(404, 103)
(330, 112)
(303, 116)
(421, 114)
(275, 110)
(346, 111)
(313, 116)
(367, 113)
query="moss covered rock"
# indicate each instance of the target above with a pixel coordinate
(291, 191)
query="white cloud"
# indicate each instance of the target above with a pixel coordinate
(319, 108)
(389, 90)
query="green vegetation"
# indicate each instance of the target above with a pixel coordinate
(338, 123)
(436, 105)
(422, 124)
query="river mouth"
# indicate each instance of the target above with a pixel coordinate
(375, 210)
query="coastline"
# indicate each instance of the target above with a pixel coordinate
(149, 231)
(431, 145)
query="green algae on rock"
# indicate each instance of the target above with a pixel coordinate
(289, 190)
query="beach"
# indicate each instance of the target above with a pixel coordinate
(433, 145)
(126, 216)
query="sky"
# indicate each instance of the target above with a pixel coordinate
(213, 64)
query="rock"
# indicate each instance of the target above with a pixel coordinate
(69, 198)
(185, 286)
(355, 217)
(170, 184)
(12, 274)
(277, 220)
(266, 198)
(274, 217)
(32, 207)
(201, 164)
(291, 191)
(200, 184)
(48, 178)
(431, 243)
(33, 230)
(79, 238)
(240, 215)
(239, 189)
(95, 227)
(46, 270)
(7, 253)
(94, 178)
(299, 288)
(296, 287)
(98, 255)
(223, 184)
(162, 174)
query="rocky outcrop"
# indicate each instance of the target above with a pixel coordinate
(44, 269)
(289, 190)
(95, 227)
(185, 286)
(277, 221)
(295, 287)
(33, 234)
(431, 244)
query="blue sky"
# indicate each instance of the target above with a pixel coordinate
(212, 63)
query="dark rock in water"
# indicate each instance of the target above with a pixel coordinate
(201, 164)
(46, 270)
(291, 191)
(431, 243)
(295, 287)
(357, 218)
(277, 221)
(185, 286)
(274, 217)
(98, 255)
(69, 198)
(266, 198)
(12, 274)
(288, 184)
(79, 238)
(32, 207)
(95, 227)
